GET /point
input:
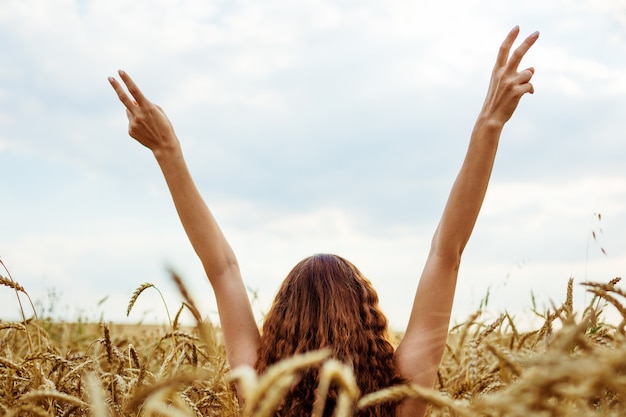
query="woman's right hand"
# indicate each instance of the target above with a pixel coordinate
(147, 122)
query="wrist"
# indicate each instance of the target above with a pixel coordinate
(489, 123)
(169, 151)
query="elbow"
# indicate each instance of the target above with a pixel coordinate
(448, 252)
(418, 363)
(217, 268)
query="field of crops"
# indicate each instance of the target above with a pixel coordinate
(574, 364)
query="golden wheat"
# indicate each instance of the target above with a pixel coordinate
(488, 369)
(136, 294)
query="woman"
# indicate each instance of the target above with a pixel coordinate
(325, 301)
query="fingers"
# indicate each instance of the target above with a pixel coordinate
(503, 52)
(137, 96)
(525, 88)
(525, 76)
(521, 50)
(513, 62)
(132, 88)
(121, 94)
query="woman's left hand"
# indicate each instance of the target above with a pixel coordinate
(508, 85)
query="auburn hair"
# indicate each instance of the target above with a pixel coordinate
(325, 302)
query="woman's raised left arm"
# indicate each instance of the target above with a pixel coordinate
(421, 349)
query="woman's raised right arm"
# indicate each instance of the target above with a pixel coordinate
(149, 125)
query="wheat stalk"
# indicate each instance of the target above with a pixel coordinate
(505, 357)
(578, 371)
(191, 405)
(569, 299)
(273, 396)
(46, 393)
(18, 288)
(145, 392)
(7, 363)
(97, 402)
(335, 371)
(138, 291)
(136, 295)
(12, 325)
(49, 357)
(254, 388)
(7, 282)
(29, 409)
(133, 358)
(515, 336)
(11, 283)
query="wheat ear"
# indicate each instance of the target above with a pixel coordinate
(136, 294)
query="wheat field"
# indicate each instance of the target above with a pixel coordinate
(574, 364)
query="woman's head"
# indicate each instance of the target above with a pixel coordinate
(325, 302)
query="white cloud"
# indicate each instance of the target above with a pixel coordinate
(579, 75)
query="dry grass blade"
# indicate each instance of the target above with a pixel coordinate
(163, 408)
(181, 335)
(166, 402)
(203, 328)
(28, 409)
(246, 378)
(466, 326)
(254, 388)
(56, 395)
(170, 383)
(505, 358)
(273, 397)
(75, 371)
(185, 294)
(289, 365)
(490, 329)
(515, 334)
(390, 394)
(51, 357)
(345, 405)
(166, 364)
(546, 328)
(7, 363)
(97, 402)
(177, 316)
(430, 396)
(335, 371)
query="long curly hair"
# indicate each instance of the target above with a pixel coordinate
(325, 302)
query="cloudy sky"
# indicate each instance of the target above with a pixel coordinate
(311, 126)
